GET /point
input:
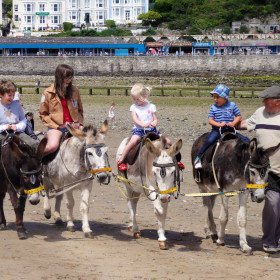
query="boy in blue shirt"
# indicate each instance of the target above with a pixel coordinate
(223, 116)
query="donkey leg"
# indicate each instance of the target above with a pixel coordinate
(210, 226)
(69, 200)
(242, 222)
(56, 214)
(160, 210)
(223, 220)
(47, 207)
(84, 209)
(19, 207)
(2, 214)
(132, 206)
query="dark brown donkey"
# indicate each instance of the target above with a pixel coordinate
(235, 164)
(21, 177)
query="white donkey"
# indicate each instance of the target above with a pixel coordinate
(80, 158)
(156, 168)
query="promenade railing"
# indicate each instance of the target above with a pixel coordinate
(183, 91)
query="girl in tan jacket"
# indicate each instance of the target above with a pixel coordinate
(60, 105)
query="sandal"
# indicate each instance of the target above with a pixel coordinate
(181, 165)
(121, 166)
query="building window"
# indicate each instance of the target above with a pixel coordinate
(28, 19)
(16, 17)
(99, 3)
(16, 8)
(41, 7)
(28, 7)
(73, 15)
(55, 19)
(126, 1)
(138, 11)
(42, 19)
(73, 3)
(127, 15)
(138, 1)
(116, 1)
(87, 3)
(117, 12)
(55, 7)
(99, 16)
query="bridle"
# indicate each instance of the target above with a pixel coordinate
(262, 171)
(99, 154)
(162, 174)
(93, 171)
(163, 167)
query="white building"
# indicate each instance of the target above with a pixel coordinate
(1, 11)
(45, 14)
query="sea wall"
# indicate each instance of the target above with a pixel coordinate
(146, 66)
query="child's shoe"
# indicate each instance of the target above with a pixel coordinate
(197, 163)
(181, 165)
(121, 166)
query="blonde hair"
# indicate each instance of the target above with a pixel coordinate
(140, 91)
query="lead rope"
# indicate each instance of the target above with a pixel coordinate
(213, 168)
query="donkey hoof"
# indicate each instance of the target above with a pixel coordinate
(3, 227)
(22, 234)
(88, 235)
(58, 222)
(71, 228)
(214, 237)
(130, 229)
(163, 245)
(247, 251)
(219, 243)
(136, 235)
(47, 214)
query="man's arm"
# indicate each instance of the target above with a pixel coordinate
(242, 125)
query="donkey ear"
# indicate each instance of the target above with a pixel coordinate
(76, 132)
(151, 148)
(16, 151)
(104, 127)
(175, 148)
(41, 147)
(272, 150)
(253, 147)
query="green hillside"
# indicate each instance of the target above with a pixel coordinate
(209, 14)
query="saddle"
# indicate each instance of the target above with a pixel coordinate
(51, 157)
(134, 152)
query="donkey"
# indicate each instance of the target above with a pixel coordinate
(235, 163)
(80, 159)
(156, 170)
(21, 177)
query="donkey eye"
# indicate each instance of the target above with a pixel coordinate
(253, 173)
(90, 153)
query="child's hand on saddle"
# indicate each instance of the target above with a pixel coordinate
(231, 124)
(153, 124)
(11, 127)
(222, 124)
(75, 125)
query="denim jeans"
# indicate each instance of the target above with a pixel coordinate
(215, 135)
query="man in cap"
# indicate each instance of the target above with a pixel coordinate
(266, 122)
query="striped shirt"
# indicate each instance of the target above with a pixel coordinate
(225, 113)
